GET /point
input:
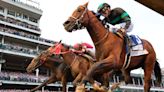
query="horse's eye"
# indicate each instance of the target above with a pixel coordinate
(78, 10)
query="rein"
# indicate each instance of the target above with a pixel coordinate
(61, 53)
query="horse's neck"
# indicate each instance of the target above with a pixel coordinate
(50, 64)
(101, 37)
(95, 28)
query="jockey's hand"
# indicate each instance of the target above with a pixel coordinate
(123, 30)
(117, 26)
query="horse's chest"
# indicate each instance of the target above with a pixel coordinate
(101, 55)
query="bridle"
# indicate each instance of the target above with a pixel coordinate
(78, 23)
(43, 59)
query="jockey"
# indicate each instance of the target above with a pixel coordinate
(117, 17)
(84, 49)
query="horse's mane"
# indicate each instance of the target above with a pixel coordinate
(97, 15)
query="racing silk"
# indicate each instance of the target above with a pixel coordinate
(118, 16)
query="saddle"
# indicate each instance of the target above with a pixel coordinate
(134, 46)
(89, 57)
(86, 55)
(133, 43)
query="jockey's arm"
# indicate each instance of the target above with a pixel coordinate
(125, 27)
(128, 22)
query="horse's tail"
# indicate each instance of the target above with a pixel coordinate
(157, 72)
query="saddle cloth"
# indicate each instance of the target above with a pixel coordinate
(137, 46)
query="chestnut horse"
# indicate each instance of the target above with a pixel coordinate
(78, 64)
(58, 69)
(110, 49)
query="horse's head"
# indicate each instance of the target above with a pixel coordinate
(78, 19)
(60, 48)
(38, 61)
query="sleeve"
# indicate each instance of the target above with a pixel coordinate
(125, 18)
(127, 24)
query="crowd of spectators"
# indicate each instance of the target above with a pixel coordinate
(23, 24)
(23, 34)
(34, 5)
(19, 23)
(16, 90)
(2, 18)
(19, 49)
(22, 77)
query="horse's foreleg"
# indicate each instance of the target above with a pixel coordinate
(50, 80)
(106, 79)
(77, 79)
(64, 83)
(100, 67)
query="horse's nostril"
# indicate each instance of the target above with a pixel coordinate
(66, 22)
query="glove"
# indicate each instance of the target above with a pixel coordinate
(123, 30)
(117, 27)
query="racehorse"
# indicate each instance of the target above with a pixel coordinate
(58, 69)
(110, 49)
(78, 64)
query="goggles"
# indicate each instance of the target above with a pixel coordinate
(104, 9)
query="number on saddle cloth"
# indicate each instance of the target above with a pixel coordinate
(137, 46)
(136, 42)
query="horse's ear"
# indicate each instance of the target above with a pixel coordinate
(60, 41)
(86, 4)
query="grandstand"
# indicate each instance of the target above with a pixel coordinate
(21, 41)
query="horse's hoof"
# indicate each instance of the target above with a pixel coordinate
(109, 90)
(99, 88)
(103, 89)
(96, 86)
(80, 88)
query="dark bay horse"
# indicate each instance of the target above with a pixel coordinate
(110, 49)
(59, 70)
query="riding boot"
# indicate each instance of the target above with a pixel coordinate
(89, 57)
(128, 43)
